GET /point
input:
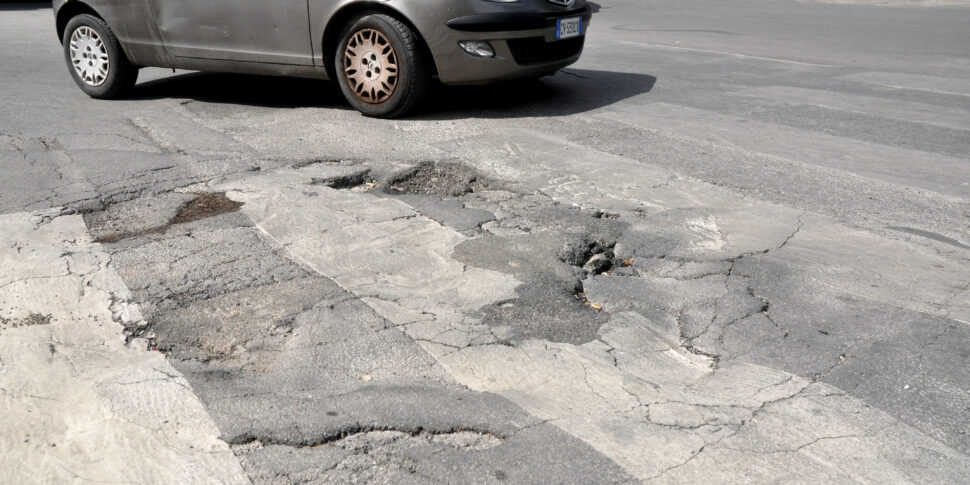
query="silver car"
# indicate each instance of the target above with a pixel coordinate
(384, 54)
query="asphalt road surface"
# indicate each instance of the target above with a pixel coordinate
(731, 244)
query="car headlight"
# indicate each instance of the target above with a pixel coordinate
(477, 48)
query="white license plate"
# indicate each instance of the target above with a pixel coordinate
(569, 27)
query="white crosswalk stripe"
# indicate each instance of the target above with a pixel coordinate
(77, 403)
(945, 116)
(919, 82)
(880, 162)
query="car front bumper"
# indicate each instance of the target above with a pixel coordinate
(524, 42)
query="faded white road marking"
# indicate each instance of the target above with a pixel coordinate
(919, 82)
(883, 107)
(880, 162)
(76, 403)
(723, 53)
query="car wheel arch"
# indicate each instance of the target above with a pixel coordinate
(342, 18)
(70, 10)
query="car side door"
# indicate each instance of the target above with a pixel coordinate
(271, 31)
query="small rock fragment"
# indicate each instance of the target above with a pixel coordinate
(599, 263)
(576, 252)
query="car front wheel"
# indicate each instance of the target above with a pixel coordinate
(95, 59)
(381, 67)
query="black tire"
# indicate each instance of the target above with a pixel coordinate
(121, 74)
(414, 76)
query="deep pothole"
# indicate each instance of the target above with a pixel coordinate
(514, 232)
(550, 302)
(593, 256)
(438, 179)
(432, 179)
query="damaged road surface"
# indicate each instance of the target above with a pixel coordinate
(307, 382)
(639, 271)
(621, 364)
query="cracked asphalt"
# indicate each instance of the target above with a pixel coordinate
(730, 245)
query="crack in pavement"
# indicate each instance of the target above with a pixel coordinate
(554, 382)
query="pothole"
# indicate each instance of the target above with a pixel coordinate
(348, 181)
(548, 303)
(527, 240)
(365, 456)
(314, 161)
(377, 437)
(117, 223)
(601, 214)
(592, 255)
(207, 204)
(436, 179)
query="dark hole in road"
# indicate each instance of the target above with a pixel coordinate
(314, 161)
(599, 214)
(207, 204)
(593, 256)
(467, 438)
(436, 179)
(204, 206)
(348, 181)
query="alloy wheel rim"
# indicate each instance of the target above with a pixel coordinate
(89, 56)
(371, 66)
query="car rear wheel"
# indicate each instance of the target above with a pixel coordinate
(381, 67)
(95, 59)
